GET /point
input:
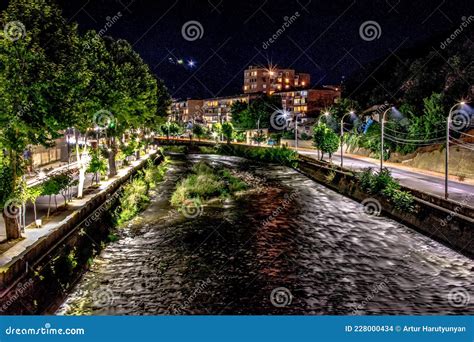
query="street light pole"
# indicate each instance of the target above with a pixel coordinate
(382, 123)
(342, 136)
(446, 162)
(296, 131)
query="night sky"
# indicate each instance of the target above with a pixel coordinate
(324, 39)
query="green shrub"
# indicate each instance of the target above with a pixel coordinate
(206, 182)
(382, 183)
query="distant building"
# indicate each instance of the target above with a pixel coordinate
(217, 110)
(185, 111)
(269, 80)
(309, 102)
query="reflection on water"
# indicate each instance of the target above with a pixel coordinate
(292, 247)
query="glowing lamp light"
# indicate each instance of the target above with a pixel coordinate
(191, 63)
(462, 103)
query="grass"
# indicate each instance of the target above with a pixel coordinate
(136, 194)
(206, 182)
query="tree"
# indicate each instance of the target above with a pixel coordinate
(35, 73)
(325, 139)
(97, 165)
(256, 114)
(228, 131)
(33, 193)
(199, 131)
(51, 188)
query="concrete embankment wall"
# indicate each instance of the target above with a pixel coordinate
(30, 282)
(448, 222)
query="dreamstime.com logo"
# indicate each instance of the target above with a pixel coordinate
(371, 207)
(46, 330)
(279, 119)
(370, 30)
(192, 30)
(461, 120)
(288, 21)
(192, 208)
(466, 21)
(103, 118)
(459, 297)
(14, 30)
(281, 297)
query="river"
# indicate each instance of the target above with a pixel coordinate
(290, 246)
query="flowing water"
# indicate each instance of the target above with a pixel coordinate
(291, 246)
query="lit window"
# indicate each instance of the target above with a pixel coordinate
(264, 86)
(303, 83)
(246, 87)
(287, 86)
(287, 80)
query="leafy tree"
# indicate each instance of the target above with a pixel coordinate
(325, 139)
(97, 165)
(51, 188)
(33, 193)
(228, 131)
(35, 75)
(256, 114)
(199, 131)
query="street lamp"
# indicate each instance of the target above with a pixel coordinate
(297, 115)
(446, 162)
(382, 123)
(342, 135)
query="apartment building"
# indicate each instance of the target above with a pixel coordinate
(218, 109)
(187, 110)
(269, 80)
(309, 102)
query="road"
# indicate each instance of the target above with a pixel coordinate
(459, 192)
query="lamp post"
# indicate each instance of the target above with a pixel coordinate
(446, 162)
(297, 115)
(382, 123)
(342, 135)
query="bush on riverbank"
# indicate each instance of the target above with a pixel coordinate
(382, 183)
(280, 155)
(206, 182)
(136, 194)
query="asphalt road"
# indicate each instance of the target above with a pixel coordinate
(459, 192)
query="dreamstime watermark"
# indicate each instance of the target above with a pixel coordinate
(374, 291)
(285, 203)
(279, 119)
(14, 30)
(466, 21)
(281, 297)
(461, 120)
(200, 288)
(20, 290)
(103, 118)
(192, 30)
(97, 214)
(370, 30)
(288, 21)
(466, 199)
(192, 208)
(46, 330)
(459, 297)
(111, 21)
(371, 207)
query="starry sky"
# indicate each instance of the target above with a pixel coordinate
(324, 38)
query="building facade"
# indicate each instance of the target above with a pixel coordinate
(218, 110)
(270, 80)
(187, 110)
(309, 102)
